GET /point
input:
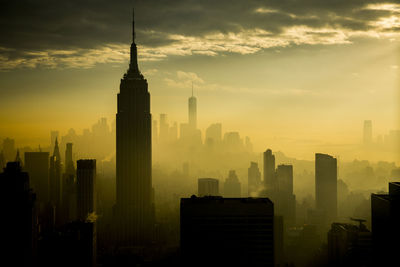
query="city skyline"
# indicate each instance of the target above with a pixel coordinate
(244, 80)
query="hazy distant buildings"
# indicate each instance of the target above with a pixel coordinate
(218, 231)
(19, 218)
(232, 186)
(164, 127)
(326, 185)
(385, 215)
(208, 187)
(37, 165)
(214, 134)
(367, 132)
(134, 205)
(269, 172)
(254, 179)
(86, 188)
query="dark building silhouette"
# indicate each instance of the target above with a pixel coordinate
(218, 231)
(55, 179)
(232, 186)
(385, 215)
(254, 179)
(73, 244)
(286, 200)
(86, 188)
(349, 245)
(208, 187)
(326, 185)
(19, 220)
(134, 206)
(69, 189)
(269, 172)
(37, 165)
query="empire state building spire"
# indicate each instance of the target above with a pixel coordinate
(133, 71)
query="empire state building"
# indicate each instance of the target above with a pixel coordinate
(134, 204)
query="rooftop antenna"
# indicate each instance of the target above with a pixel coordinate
(192, 88)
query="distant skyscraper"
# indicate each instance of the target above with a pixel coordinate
(367, 132)
(232, 185)
(37, 165)
(218, 231)
(86, 185)
(326, 185)
(69, 191)
(269, 172)
(164, 127)
(192, 112)
(208, 187)
(254, 179)
(285, 204)
(55, 176)
(214, 134)
(155, 132)
(134, 206)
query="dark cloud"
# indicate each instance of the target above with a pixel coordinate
(35, 25)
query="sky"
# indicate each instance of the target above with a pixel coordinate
(294, 75)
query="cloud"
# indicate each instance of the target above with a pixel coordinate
(81, 34)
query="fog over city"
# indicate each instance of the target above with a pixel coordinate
(265, 130)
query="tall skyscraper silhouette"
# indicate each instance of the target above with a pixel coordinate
(269, 172)
(86, 185)
(254, 179)
(367, 132)
(134, 205)
(326, 185)
(192, 111)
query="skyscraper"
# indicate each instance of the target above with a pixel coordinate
(232, 187)
(254, 179)
(367, 132)
(69, 187)
(269, 172)
(86, 185)
(55, 176)
(192, 111)
(9, 149)
(326, 185)
(134, 207)
(285, 204)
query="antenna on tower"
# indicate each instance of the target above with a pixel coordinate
(192, 88)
